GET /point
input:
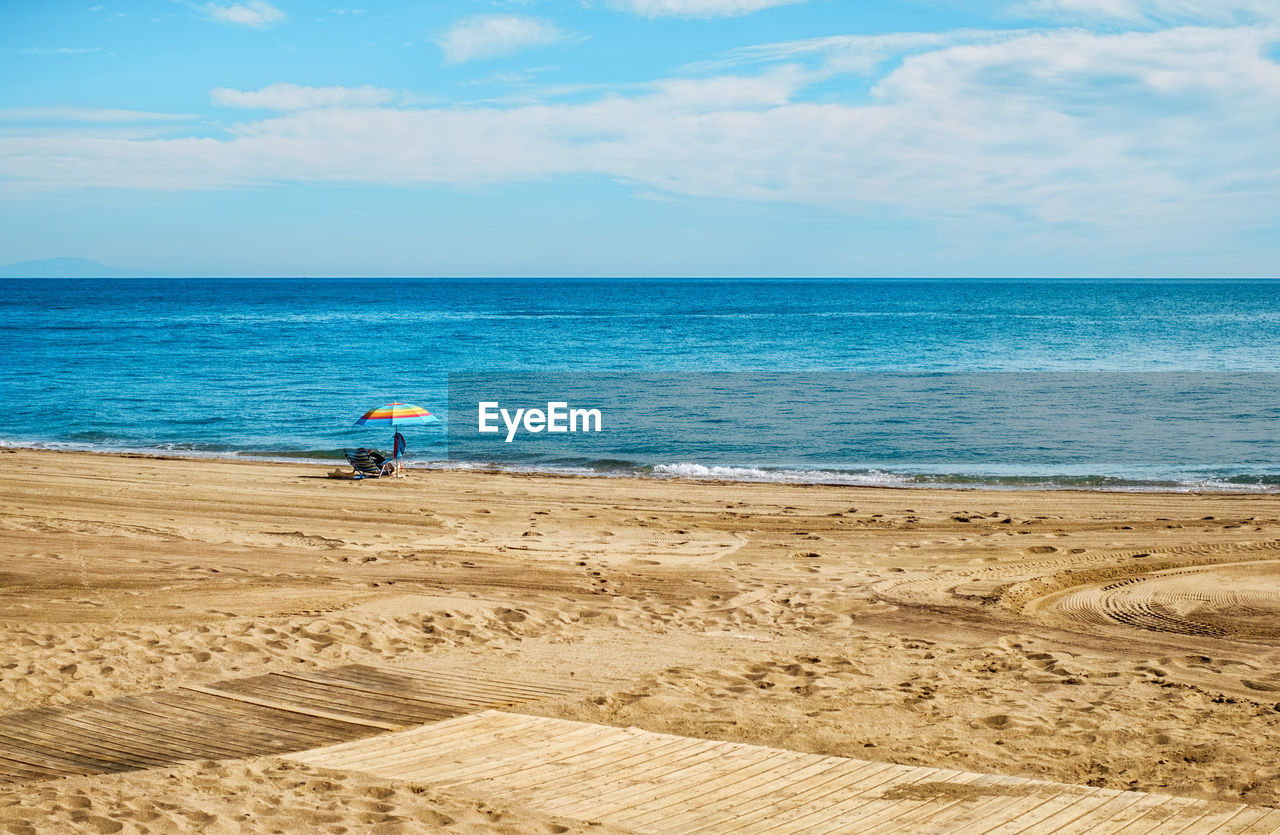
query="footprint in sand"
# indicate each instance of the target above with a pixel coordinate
(1261, 686)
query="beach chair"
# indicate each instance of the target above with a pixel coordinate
(365, 465)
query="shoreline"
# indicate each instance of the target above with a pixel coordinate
(667, 472)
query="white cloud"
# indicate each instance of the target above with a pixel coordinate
(849, 54)
(1147, 140)
(86, 114)
(255, 13)
(698, 8)
(495, 35)
(730, 92)
(55, 50)
(1159, 11)
(295, 97)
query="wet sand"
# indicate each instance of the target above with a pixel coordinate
(1119, 640)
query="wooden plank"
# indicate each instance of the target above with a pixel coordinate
(667, 805)
(485, 691)
(1076, 809)
(1240, 819)
(558, 687)
(1268, 824)
(551, 764)
(744, 776)
(792, 800)
(254, 724)
(16, 771)
(277, 704)
(435, 695)
(739, 811)
(40, 754)
(870, 815)
(407, 676)
(619, 752)
(485, 753)
(567, 771)
(19, 770)
(1116, 812)
(1121, 812)
(981, 818)
(293, 692)
(210, 747)
(321, 700)
(1039, 818)
(863, 781)
(389, 753)
(377, 705)
(437, 737)
(1162, 818)
(411, 696)
(133, 741)
(854, 804)
(462, 703)
(612, 792)
(989, 806)
(470, 767)
(992, 795)
(644, 757)
(41, 734)
(119, 721)
(912, 815)
(219, 713)
(236, 737)
(663, 775)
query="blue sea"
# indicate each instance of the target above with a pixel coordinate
(280, 369)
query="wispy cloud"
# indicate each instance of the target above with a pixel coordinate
(522, 77)
(1153, 11)
(848, 54)
(54, 50)
(88, 114)
(495, 35)
(255, 13)
(697, 8)
(296, 97)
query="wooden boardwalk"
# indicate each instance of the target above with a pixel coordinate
(267, 714)
(651, 782)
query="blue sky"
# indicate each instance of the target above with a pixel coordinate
(644, 137)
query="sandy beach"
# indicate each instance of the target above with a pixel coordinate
(1117, 640)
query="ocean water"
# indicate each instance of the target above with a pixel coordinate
(280, 369)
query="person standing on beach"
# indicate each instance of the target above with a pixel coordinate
(398, 448)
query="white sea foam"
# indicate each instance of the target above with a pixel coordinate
(1213, 485)
(869, 478)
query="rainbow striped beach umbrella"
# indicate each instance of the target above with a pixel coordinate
(396, 415)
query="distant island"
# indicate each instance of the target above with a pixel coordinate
(61, 268)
